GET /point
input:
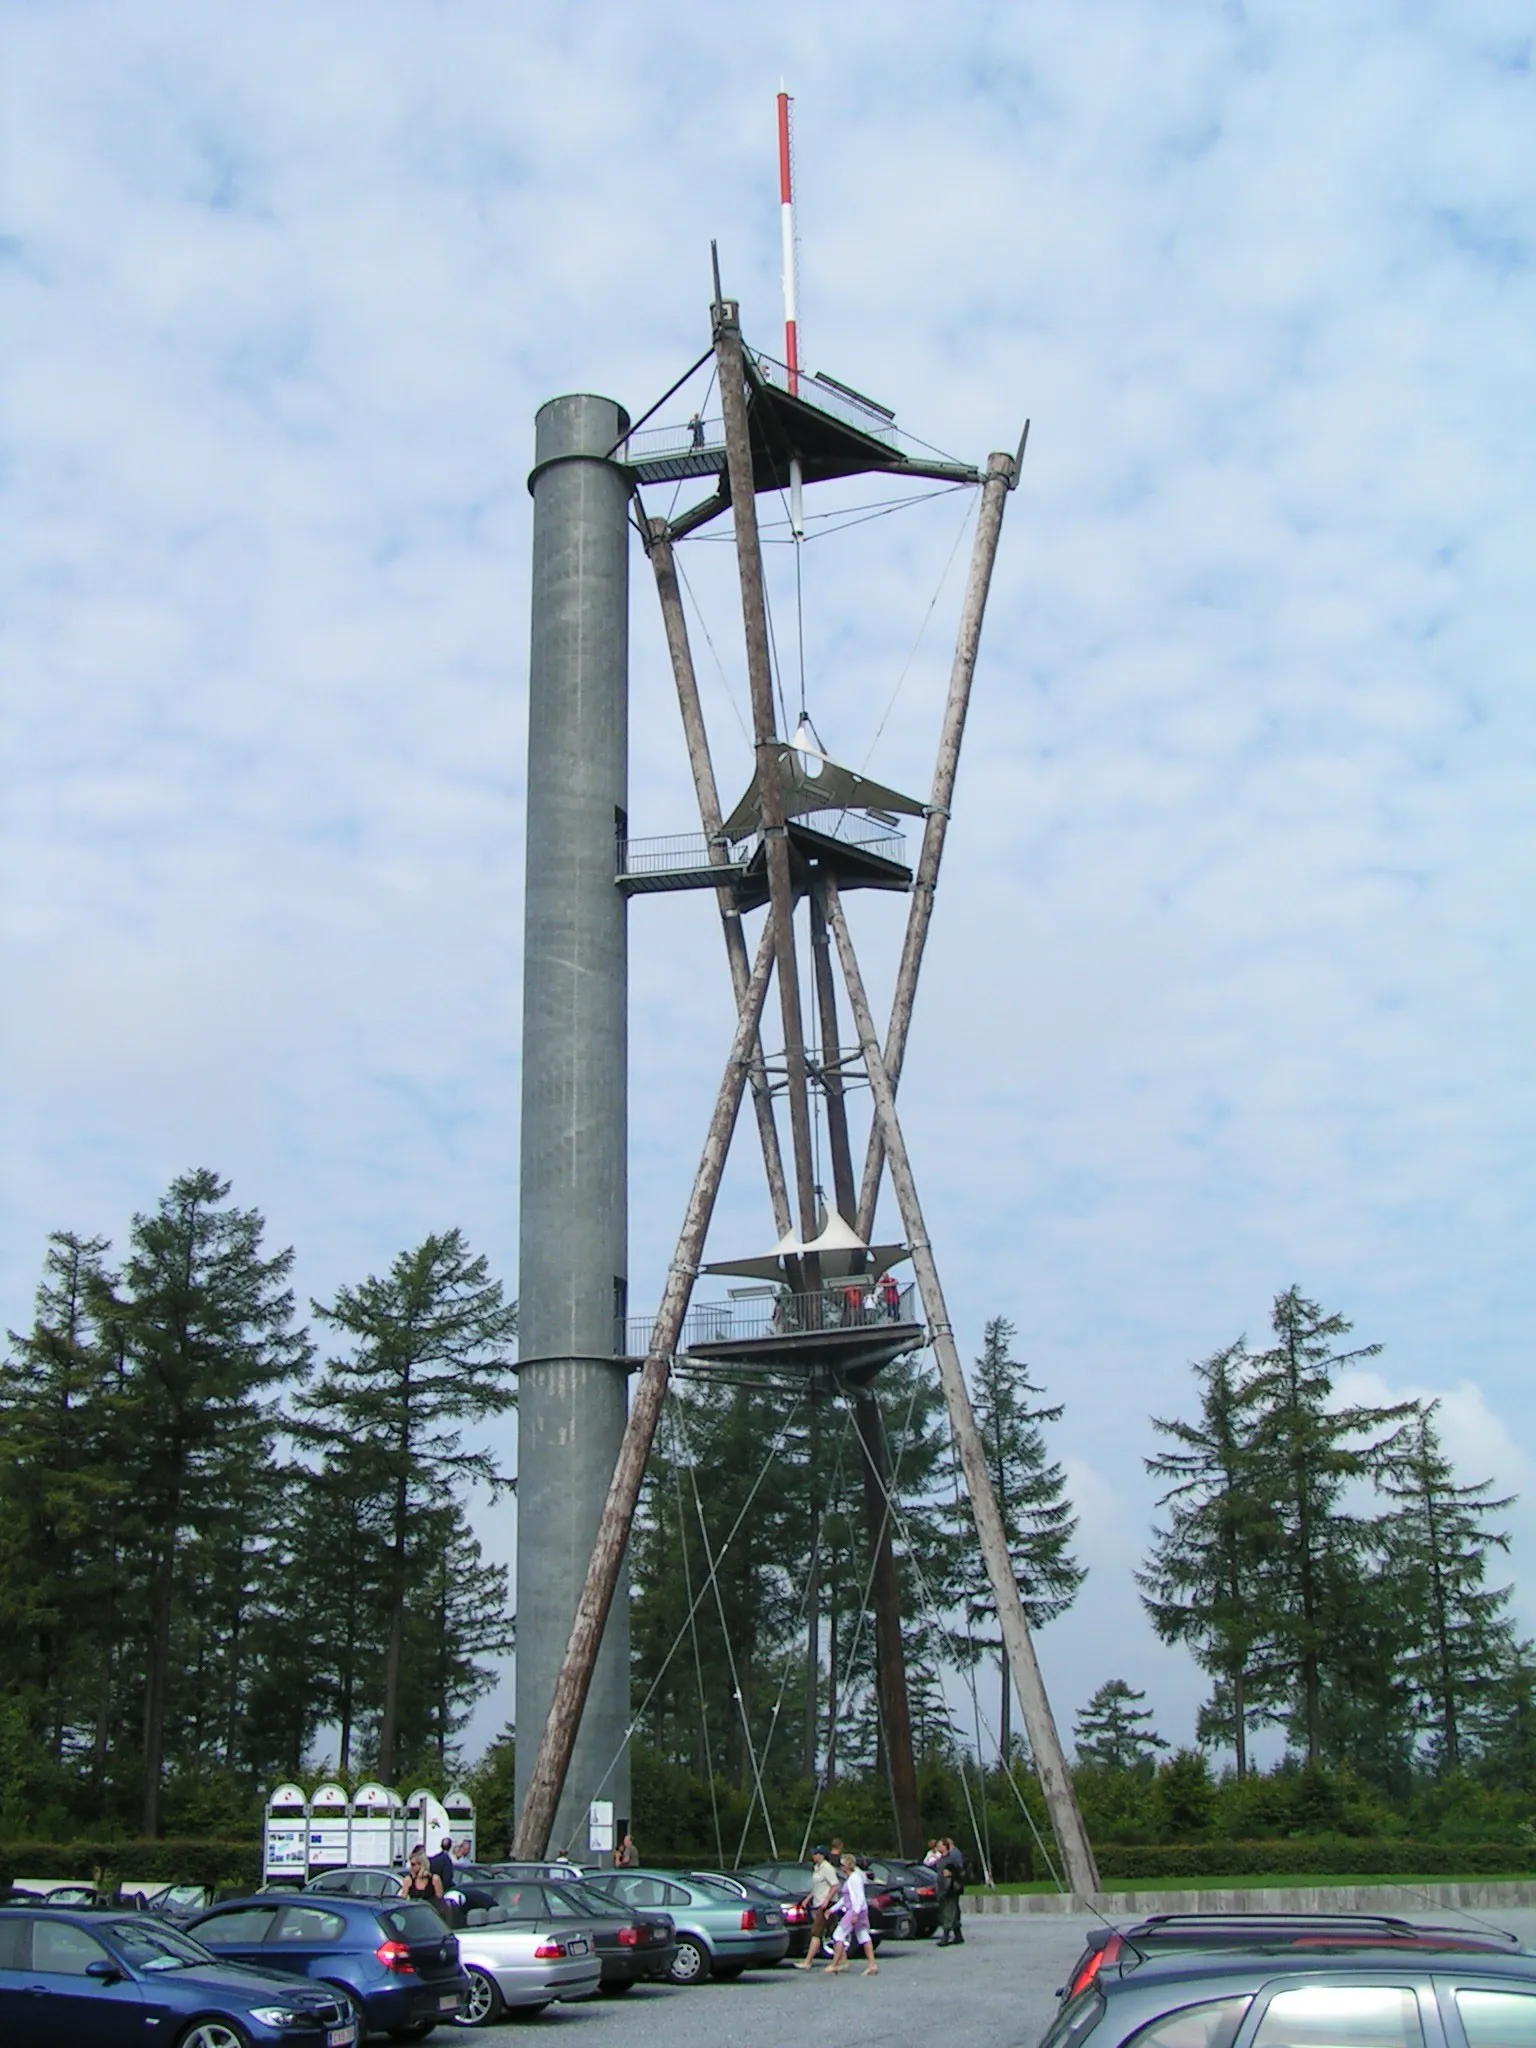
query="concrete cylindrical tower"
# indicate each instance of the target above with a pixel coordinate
(572, 1392)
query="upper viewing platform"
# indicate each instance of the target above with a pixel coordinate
(830, 429)
(864, 853)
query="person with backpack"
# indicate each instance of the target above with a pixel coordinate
(950, 1871)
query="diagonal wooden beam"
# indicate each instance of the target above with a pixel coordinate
(1002, 474)
(664, 567)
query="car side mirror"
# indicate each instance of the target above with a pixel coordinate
(103, 1971)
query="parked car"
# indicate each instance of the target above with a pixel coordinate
(358, 1881)
(178, 1902)
(719, 1933)
(395, 1959)
(1297, 1981)
(1119, 1948)
(633, 1942)
(97, 1980)
(918, 1890)
(553, 1869)
(526, 1963)
(797, 1915)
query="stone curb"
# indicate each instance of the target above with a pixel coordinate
(1351, 1898)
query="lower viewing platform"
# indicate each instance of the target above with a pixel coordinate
(843, 1333)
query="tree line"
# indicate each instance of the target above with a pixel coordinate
(231, 1540)
(220, 1533)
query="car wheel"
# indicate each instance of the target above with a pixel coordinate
(214, 2034)
(484, 2004)
(691, 1963)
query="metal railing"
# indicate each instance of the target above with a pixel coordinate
(848, 1305)
(846, 406)
(854, 828)
(675, 853)
(687, 852)
(652, 443)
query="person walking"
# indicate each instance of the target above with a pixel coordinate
(853, 1925)
(950, 1871)
(825, 1885)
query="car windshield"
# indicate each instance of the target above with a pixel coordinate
(589, 1897)
(713, 1890)
(149, 1947)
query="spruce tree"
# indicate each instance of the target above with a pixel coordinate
(1458, 1636)
(429, 1358)
(204, 1322)
(1203, 1582)
(1114, 1731)
(1037, 1515)
(1321, 1611)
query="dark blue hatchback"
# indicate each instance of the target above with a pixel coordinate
(393, 1958)
(99, 1980)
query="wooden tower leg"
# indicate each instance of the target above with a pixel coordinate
(1044, 1742)
(1002, 474)
(571, 1688)
(765, 739)
(710, 817)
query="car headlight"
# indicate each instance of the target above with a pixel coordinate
(275, 2015)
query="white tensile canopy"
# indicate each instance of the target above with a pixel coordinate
(842, 1252)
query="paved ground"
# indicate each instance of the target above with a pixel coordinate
(995, 1992)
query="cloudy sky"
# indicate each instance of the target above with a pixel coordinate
(1231, 984)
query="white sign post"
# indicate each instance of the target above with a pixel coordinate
(600, 1827)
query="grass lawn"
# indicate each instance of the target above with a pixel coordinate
(1270, 1881)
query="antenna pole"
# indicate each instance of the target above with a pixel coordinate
(558, 1739)
(999, 480)
(1044, 1742)
(791, 303)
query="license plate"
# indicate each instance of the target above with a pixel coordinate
(773, 1919)
(578, 1945)
(448, 2004)
(341, 2037)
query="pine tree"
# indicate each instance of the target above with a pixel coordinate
(429, 1359)
(1458, 1634)
(59, 1494)
(1038, 1517)
(1320, 1609)
(1202, 1585)
(1114, 1731)
(204, 1324)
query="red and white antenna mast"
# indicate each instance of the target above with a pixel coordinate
(791, 309)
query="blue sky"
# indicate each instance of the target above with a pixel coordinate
(1232, 977)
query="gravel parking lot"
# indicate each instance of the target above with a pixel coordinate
(995, 1992)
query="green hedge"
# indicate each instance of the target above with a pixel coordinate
(160, 1862)
(1321, 1855)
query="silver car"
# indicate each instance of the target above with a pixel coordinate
(524, 1964)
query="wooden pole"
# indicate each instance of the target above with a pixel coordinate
(890, 1652)
(831, 1071)
(711, 818)
(770, 793)
(571, 1687)
(1002, 473)
(1044, 1742)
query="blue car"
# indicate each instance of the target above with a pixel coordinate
(105, 1980)
(394, 1959)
